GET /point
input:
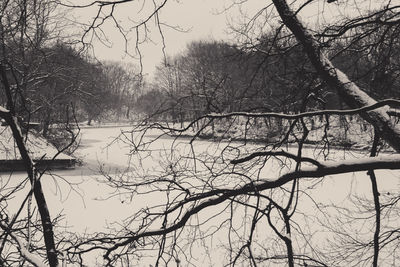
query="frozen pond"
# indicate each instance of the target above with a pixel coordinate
(90, 206)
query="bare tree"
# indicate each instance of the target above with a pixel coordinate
(198, 203)
(25, 27)
(252, 197)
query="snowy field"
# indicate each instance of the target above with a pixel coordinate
(89, 206)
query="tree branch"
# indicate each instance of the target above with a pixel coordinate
(275, 153)
(350, 93)
(31, 258)
(219, 196)
(383, 103)
(12, 121)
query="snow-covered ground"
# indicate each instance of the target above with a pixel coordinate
(88, 205)
(38, 146)
(341, 131)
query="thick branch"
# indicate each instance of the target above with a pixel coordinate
(11, 119)
(382, 103)
(275, 154)
(391, 102)
(326, 168)
(37, 187)
(350, 93)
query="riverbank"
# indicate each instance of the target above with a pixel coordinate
(96, 124)
(345, 133)
(42, 152)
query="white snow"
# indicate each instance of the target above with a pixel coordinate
(89, 207)
(38, 147)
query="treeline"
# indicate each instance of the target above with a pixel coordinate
(53, 83)
(273, 75)
(57, 84)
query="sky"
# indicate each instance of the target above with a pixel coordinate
(196, 20)
(199, 20)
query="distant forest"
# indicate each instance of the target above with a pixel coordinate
(216, 77)
(58, 84)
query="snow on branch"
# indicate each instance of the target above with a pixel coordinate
(215, 197)
(390, 102)
(3, 112)
(349, 92)
(386, 102)
(31, 258)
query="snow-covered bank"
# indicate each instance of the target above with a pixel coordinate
(341, 132)
(39, 148)
(88, 205)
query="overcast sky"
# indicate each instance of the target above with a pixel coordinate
(203, 19)
(200, 19)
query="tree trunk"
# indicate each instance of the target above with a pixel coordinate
(47, 225)
(349, 92)
(46, 125)
(10, 117)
